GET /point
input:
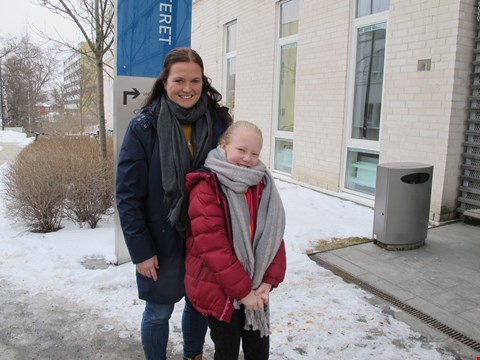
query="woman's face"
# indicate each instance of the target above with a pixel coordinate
(184, 84)
(244, 148)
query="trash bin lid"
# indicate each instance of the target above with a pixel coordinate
(404, 165)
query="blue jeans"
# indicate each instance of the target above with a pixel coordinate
(155, 329)
(194, 329)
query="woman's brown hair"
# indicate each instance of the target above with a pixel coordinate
(177, 55)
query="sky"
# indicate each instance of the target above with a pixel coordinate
(314, 314)
(20, 17)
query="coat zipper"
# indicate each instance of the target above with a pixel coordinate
(225, 309)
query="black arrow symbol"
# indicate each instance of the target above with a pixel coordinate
(135, 93)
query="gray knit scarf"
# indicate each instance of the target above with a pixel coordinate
(257, 256)
(175, 158)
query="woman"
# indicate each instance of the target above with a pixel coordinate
(180, 122)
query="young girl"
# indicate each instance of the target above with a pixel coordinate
(235, 249)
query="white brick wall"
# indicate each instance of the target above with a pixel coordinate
(254, 80)
(320, 101)
(255, 55)
(423, 112)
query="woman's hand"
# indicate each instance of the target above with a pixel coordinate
(148, 268)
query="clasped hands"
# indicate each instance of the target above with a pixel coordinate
(257, 299)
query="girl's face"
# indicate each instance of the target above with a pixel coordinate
(184, 84)
(244, 148)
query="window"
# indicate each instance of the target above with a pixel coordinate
(369, 7)
(286, 106)
(366, 93)
(230, 69)
(361, 170)
(368, 82)
(286, 83)
(283, 155)
(289, 18)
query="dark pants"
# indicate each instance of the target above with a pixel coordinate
(227, 336)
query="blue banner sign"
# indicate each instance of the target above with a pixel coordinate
(147, 30)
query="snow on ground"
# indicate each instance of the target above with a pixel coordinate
(315, 314)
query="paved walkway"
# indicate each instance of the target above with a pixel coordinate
(440, 279)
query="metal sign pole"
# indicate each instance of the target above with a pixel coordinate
(145, 32)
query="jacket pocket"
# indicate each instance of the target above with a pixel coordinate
(200, 274)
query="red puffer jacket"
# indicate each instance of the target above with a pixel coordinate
(214, 277)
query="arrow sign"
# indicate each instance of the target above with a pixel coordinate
(135, 93)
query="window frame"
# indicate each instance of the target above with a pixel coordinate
(361, 16)
(372, 146)
(228, 55)
(280, 135)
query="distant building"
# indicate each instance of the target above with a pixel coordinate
(339, 87)
(71, 81)
(80, 84)
(108, 77)
(43, 109)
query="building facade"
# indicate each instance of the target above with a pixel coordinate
(108, 77)
(80, 91)
(340, 87)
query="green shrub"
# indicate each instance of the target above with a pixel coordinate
(57, 177)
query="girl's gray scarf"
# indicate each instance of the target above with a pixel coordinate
(175, 158)
(257, 256)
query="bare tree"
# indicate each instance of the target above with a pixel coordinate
(27, 71)
(56, 94)
(94, 19)
(61, 120)
(7, 46)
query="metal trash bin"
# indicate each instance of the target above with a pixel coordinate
(402, 205)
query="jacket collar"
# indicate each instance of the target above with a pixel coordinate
(152, 110)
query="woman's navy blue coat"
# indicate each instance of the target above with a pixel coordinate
(143, 217)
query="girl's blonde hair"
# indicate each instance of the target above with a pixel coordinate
(240, 124)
